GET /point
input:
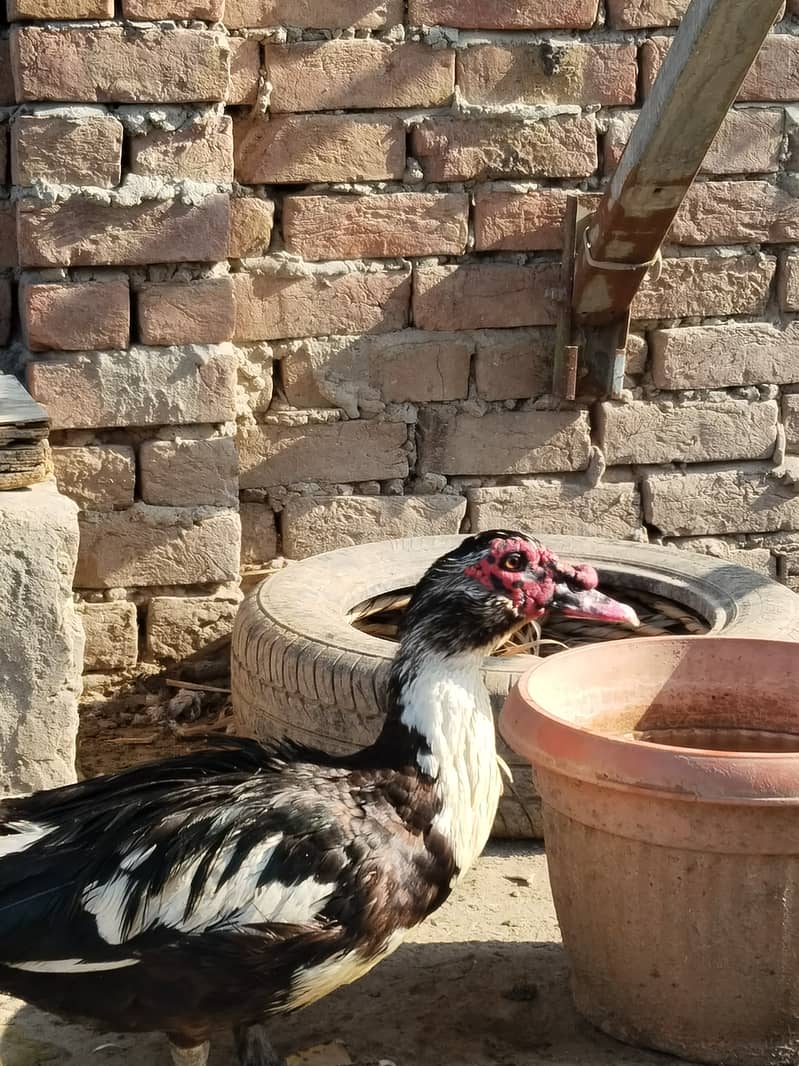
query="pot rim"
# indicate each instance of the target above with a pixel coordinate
(553, 743)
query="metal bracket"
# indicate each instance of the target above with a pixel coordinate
(589, 358)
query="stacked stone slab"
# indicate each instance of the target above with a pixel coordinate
(285, 274)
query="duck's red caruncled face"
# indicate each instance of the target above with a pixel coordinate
(534, 579)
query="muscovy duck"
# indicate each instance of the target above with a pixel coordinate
(215, 889)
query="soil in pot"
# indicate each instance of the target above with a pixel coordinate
(669, 774)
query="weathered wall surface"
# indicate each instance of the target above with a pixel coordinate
(285, 273)
(42, 639)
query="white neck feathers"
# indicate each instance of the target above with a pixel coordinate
(446, 702)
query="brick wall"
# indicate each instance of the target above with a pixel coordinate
(285, 273)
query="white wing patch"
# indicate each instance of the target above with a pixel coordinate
(236, 902)
(24, 835)
(71, 966)
(314, 983)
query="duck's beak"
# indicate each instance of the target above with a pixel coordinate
(589, 603)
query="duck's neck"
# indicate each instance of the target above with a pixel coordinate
(440, 719)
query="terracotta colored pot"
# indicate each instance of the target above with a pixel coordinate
(669, 773)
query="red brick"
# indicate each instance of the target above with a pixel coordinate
(504, 14)
(456, 149)
(7, 95)
(789, 284)
(378, 226)
(294, 149)
(9, 256)
(569, 73)
(6, 310)
(30, 10)
(202, 151)
(325, 75)
(314, 14)
(245, 70)
(196, 312)
(77, 316)
(643, 14)
(271, 306)
(518, 221)
(729, 285)
(486, 295)
(119, 64)
(156, 10)
(737, 212)
(82, 233)
(773, 76)
(251, 221)
(66, 151)
(749, 142)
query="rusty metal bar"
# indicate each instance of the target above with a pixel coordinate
(608, 255)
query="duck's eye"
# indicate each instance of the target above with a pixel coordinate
(514, 561)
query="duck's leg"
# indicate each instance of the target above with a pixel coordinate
(255, 1048)
(183, 1054)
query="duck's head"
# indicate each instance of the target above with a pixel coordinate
(482, 590)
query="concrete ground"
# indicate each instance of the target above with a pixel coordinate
(483, 983)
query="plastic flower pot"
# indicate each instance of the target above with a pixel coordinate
(669, 774)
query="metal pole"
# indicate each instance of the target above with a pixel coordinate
(608, 253)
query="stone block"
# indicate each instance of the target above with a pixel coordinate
(251, 222)
(729, 551)
(112, 636)
(379, 226)
(193, 312)
(66, 151)
(486, 295)
(314, 524)
(572, 72)
(726, 285)
(358, 73)
(737, 353)
(513, 364)
(692, 432)
(146, 546)
(567, 506)
(76, 316)
(504, 14)
(258, 534)
(728, 498)
(298, 149)
(139, 387)
(99, 478)
(338, 452)
(273, 306)
(349, 372)
(200, 151)
(190, 473)
(113, 63)
(181, 626)
(465, 149)
(41, 652)
(503, 443)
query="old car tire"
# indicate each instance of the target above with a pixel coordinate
(300, 669)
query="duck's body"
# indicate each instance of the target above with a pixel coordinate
(219, 888)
